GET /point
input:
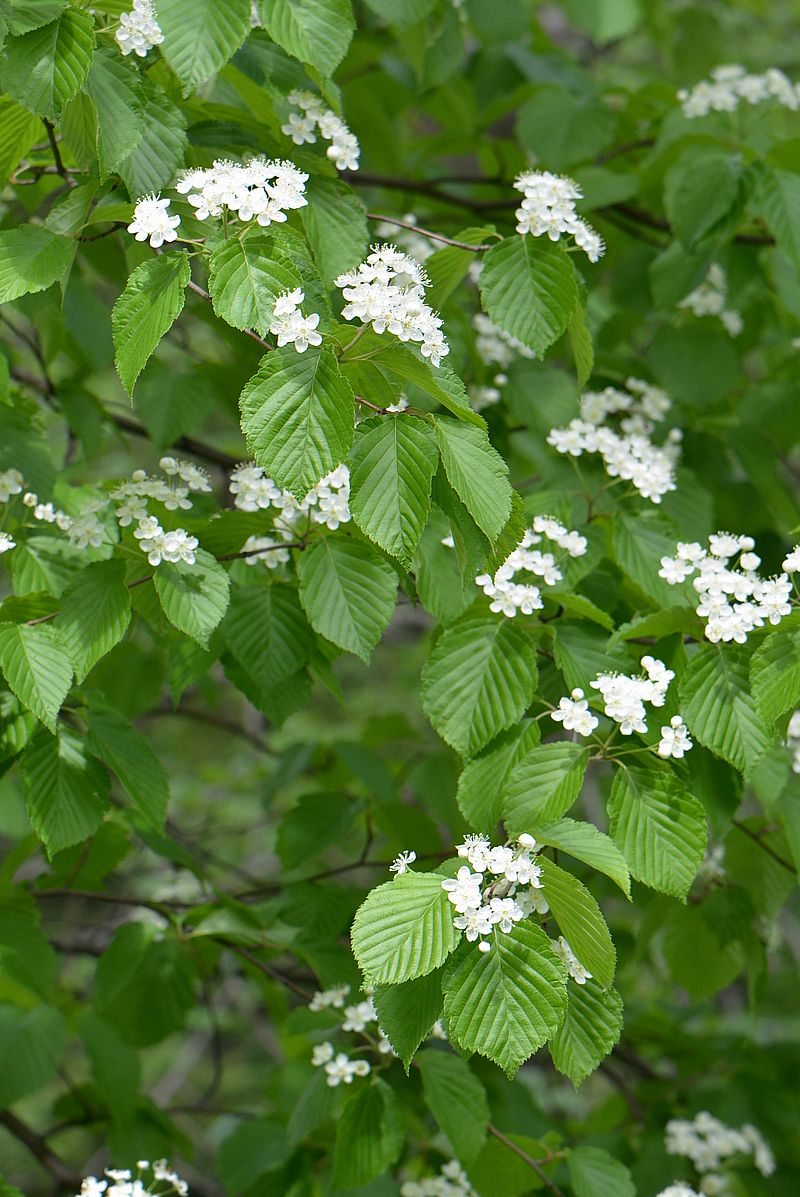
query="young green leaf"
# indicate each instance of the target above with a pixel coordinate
(457, 1100)
(775, 674)
(595, 1173)
(266, 630)
(32, 1044)
(114, 86)
(718, 708)
(483, 780)
(31, 259)
(407, 1012)
(580, 921)
(198, 48)
(477, 473)
(37, 668)
(123, 749)
(543, 785)
(585, 842)
(404, 929)
(348, 593)
(244, 282)
(66, 791)
(591, 1028)
(369, 1137)
(315, 31)
(45, 67)
(194, 598)
(148, 307)
(528, 287)
(94, 614)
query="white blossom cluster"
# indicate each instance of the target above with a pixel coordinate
(401, 864)
(730, 86)
(138, 29)
(289, 324)
(6, 542)
(549, 208)
(508, 895)
(509, 596)
(733, 600)
(792, 738)
(84, 530)
(707, 1142)
(680, 1189)
(495, 347)
(160, 545)
(452, 1181)
(328, 501)
(264, 189)
(339, 1068)
(388, 292)
(153, 222)
(312, 115)
(572, 964)
(710, 297)
(122, 1182)
(130, 499)
(629, 453)
(624, 697)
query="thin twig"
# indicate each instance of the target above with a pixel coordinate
(265, 968)
(776, 856)
(60, 167)
(415, 228)
(248, 332)
(528, 1159)
(38, 1146)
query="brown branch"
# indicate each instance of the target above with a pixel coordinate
(99, 895)
(248, 332)
(776, 856)
(39, 1148)
(60, 167)
(415, 228)
(528, 1159)
(212, 720)
(265, 968)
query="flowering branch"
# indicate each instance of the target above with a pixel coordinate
(415, 228)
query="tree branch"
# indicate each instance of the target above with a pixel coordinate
(415, 228)
(776, 856)
(60, 167)
(528, 1159)
(38, 1146)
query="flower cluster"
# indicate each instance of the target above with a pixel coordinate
(261, 189)
(121, 1182)
(624, 696)
(572, 964)
(160, 545)
(313, 115)
(85, 530)
(679, 1189)
(152, 221)
(328, 502)
(6, 542)
(481, 906)
(339, 1068)
(289, 324)
(549, 207)
(452, 1181)
(508, 596)
(138, 29)
(730, 86)
(267, 550)
(629, 453)
(401, 864)
(495, 347)
(710, 298)
(707, 1142)
(183, 478)
(388, 292)
(732, 600)
(574, 715)
(792, 739)
(11, 483)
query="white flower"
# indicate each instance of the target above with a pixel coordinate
(624, 696)
(342, 1070)
(791, 563)
(343, 150)
(152, 221)
(576, 970)
(679, 1189)
(574, 714)
(6, 542)
(730, 86)
(674, 571)
(509, 596)
(329, 997)
(260, 189)
(321, 1054)
(474, 922)
(289, 324)
(356, 1018)
(549, 209)
(401, 863)
(495, 346)
(708, 299)
(267, 550)
(174, 546)
(11, 483)
(707, 1142)
(138, 29)
(675, 741)
(464, 890)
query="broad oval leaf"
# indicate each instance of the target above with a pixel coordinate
(37, 668)
(591, 1028)
(244, 282)
(580, 921)
(31, 259)
(348, 593)
(404, 929)
(197, 48)
(718, 708)
(148, 307)
(543, 785)
(528, 287)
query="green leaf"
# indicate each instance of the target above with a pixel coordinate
(562, 128)
(31, 259)
(94, 614)
(699, 190)
(528, 287)
(476, 472)
(267, 632)
(580, 921)
(581, 340)
(592, 1027)
(775, 674)
(32, 1044)
(369, 1136)
(659, 828)
(718, 708)
(197, 48)
(638, 543)
(407, 1012)
(148, 307)
(315, 31)
(402, 12)
(330, 814)
(158, 155)
(582, 651)
(127, 752)
(440, 383)
(457, 1100)
(605, 21)
(478, 681)
(507, 1002)
(66, 791)
(144, 984)
(778, 198)
(391, 470)
(47, 66)
(244, 283)
(543, 785)
(595, 1173)
(256, 1148)
(113, 85)
(585, 842)
(297, 416)
(36, 667)
(26, 956)
(335, 221)
(483, 780)
(19, 129)
(348, 593)
(404, 929)
(194, 598)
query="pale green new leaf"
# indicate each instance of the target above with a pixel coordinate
(528, 287)
(659, 828)
(404, 929)
(580, 921)
(336, 223)
(595, 1173)
(297, 416)
(439, 382)
(315, 31)
(66, 791)
(507, 1002)
(45, 67)
(194, 598)
(148, 307)
(267, 632)
(198, 47)
(483, 780)
(114, 86)
(407, 1012)
(158, 154)
(478, 681)
(37, 668)
(391, 470)
(592, 1027)
(244, 282)
(476, 472)
(31, 259)
(457, 1100)
(585, 842)
(94, 614)
(348, 593)
(127, 752)
(543, 785)
(718, 708)
(369, 1136)
(19, 129)
(775, 674)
